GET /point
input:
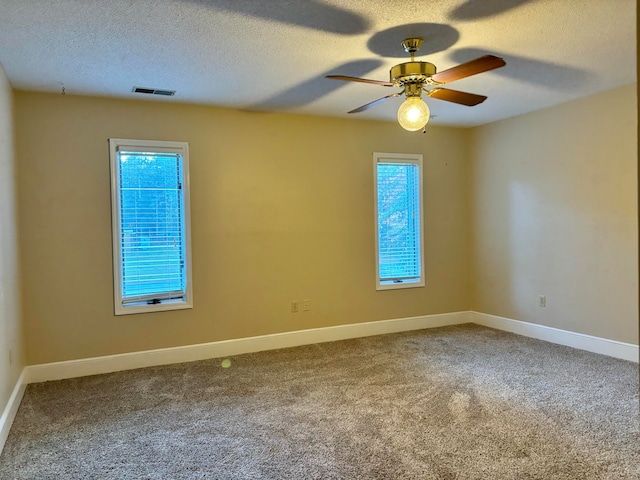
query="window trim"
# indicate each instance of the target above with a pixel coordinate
(160, 147)
(415, 158)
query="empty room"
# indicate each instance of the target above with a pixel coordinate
(319, 239)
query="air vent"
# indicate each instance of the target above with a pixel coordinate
(154, 91)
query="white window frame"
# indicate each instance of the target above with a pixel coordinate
(416, 158)
(149, 146)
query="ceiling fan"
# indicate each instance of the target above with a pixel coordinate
(414, 78)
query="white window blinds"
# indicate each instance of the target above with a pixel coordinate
(399, 229)
(151, 226)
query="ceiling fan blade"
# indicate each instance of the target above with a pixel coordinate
(362, 80)
(375, 102)
(479, 65)
(463, 98)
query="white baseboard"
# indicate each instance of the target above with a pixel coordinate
(603, 346)
(203, 351)
(6, 420)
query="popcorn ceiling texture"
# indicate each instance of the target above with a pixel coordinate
(462, 402)
(273, 56)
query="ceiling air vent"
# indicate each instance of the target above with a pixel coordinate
(154, 91)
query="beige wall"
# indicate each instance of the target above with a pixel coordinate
(554, 209)
(544, 204)
(282, 210)
(10, 326)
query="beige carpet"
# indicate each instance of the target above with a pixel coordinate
(463, 402)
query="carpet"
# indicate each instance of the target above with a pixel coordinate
(460, 402)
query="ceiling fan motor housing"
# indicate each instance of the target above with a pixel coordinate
(409, 73)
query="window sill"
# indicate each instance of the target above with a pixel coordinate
(390, 285)
(143, 307)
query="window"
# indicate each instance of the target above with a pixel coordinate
(150, 215)
(398, 208)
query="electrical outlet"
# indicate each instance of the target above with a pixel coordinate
(295, 307)
(305, 305)
(542, 301)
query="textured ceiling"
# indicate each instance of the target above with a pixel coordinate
(273, 54)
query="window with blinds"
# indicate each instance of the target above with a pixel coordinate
(398, 215)
(150, 210)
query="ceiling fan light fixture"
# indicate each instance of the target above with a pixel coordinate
(413, 114)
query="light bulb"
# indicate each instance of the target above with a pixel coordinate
(413, 114)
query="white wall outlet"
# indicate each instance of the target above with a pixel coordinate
(306, 306)
(295, 307)
(542, 301)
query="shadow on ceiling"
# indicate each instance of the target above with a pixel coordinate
(528, 70)
(477, 9)
(387, 43)
(314, 88)
(311, 14)
(436, 38)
